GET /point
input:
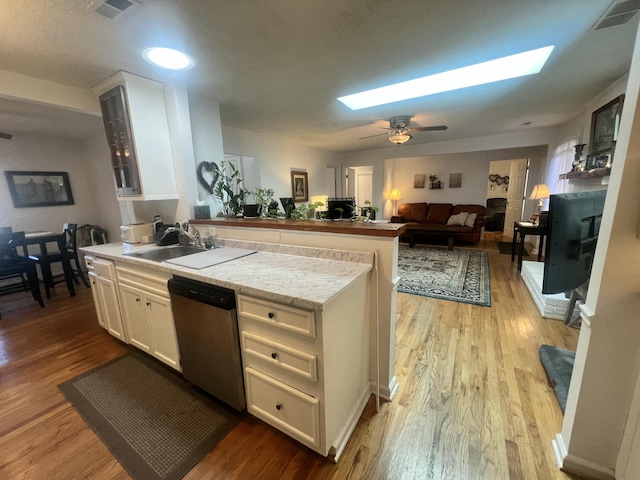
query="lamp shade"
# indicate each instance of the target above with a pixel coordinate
(322, 199)
(400, 137)
(540, 192)
(395, 194)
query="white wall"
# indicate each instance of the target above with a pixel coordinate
(277, 157)
(89, 175)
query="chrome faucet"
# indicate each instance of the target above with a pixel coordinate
(188, 237)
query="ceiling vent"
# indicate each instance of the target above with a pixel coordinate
(617, 14)
(111, 8)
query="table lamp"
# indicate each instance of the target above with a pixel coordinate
(540, 193)
(395, 196)
(320, 199)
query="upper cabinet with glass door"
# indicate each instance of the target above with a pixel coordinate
(137, 131)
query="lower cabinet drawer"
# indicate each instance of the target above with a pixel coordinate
(282, 356)
(282, 316)
(284, 407)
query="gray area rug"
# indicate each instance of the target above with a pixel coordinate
(558, 364)
(458, 275)
(151, 419)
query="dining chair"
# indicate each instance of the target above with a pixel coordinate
(72, 249)
(17, 273)
(45, 259)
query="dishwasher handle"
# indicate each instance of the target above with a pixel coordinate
(213, 295)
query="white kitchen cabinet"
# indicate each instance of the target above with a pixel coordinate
(146, 310)
(307, 372)
(105, 296)
(136, 318)
(137, 132)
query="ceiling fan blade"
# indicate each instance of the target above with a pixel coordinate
(429, 129)
(371, 136)
(6, 135)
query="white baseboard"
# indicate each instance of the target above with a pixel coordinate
(559, 449)
(387, 393)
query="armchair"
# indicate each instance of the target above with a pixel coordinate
(494, 217)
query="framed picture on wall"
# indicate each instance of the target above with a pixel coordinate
(39, 189)
(419, 180)
(299, 186)
(604, 126)
(455, 180)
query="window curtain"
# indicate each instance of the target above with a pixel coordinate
(560, 162)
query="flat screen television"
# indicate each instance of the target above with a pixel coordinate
(287, 205)
(574, 223)
(340, 207)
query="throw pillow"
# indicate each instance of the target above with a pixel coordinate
(458, 219)
(471, 217)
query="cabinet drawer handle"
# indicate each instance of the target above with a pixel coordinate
(274, 355)
(148, 304)
(271, 314)
(137, 299)
(278, 406)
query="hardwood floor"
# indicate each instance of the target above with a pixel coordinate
(473, 401)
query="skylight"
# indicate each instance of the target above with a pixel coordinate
(168, 58)
(513, 66)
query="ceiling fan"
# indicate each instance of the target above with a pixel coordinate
(400, 130)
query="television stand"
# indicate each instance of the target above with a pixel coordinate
(576, 294)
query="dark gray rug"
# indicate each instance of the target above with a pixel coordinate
(558, 364)
(459, 275)
(151, 419)
(505, 248)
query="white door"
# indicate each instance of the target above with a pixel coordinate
(515, 195)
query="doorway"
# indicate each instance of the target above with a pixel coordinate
(518, 175)
(359, 183)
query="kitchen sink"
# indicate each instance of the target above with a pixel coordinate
(165, 253)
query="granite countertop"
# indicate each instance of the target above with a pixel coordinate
(298, 276)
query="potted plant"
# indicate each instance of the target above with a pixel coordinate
(263, 198)
(364, 213)
(434, 182)
(230, 191)
(305, 211)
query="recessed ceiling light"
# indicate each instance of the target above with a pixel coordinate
(168, 58)
(518, 65)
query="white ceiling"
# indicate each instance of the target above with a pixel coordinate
(277, 66)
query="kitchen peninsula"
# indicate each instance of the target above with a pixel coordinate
(303, 325)
(381, 239)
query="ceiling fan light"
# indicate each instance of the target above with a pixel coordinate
(400, 137)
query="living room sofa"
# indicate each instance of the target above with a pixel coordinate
(428, 221)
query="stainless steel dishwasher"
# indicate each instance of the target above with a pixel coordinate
(207, 331)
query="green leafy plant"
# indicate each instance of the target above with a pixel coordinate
(305, 211)
(229, 190)
(263, 197)
(358, 214)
